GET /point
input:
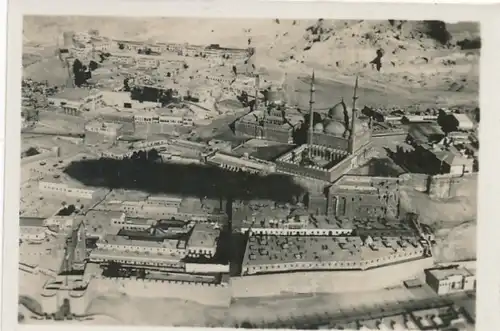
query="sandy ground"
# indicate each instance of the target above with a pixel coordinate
(141, 311)
(455, 222)
(285, 306)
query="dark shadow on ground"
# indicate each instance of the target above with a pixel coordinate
(181, 179)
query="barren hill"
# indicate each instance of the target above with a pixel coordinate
(422, 62)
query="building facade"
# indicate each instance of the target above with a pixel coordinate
(450, 280)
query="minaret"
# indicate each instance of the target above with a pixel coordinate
(257, 90)
(354, 116)
(311, 115)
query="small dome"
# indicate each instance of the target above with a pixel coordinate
(334, 128)
(337, 112)
(318, 127)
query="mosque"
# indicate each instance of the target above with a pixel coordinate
(335, 144)
(269, 120)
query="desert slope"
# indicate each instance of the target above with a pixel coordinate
(415, 61)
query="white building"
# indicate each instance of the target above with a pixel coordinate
(450, 280)
(104, 128)
(74, 100)
(32, 229)
(57, 187)
(122, 244)
(462, 122)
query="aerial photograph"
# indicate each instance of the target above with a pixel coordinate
(249, 173)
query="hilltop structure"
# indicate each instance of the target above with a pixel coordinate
(334, 146)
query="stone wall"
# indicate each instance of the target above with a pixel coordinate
(449, 186)
(442, 186)
(203, 293)
(328, 281)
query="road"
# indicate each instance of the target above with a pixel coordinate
(366, 313)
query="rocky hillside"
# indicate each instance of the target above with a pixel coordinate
(437, 59)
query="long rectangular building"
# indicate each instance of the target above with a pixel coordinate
(274, 254)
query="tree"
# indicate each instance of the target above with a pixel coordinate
(153, 155)
(93, 65)
(121, 46)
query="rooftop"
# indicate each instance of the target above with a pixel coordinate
(135, 256)
(444, 273)
(120, 240)
(73, 94)
(31, 221)
(462, 118)
(285, 249)
(103, 125)
(203, 235)
(232, 160)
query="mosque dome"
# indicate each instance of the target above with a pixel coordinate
(340, 112)
(334, 128)
(337, 112)
(318, 127)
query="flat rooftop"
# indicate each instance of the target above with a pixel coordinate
(124, 241)
(443, 273)
(233, 160)
(262, 250)
(31, 221)
(203, 235)
(365, 184)
(103, 125)
(134, 256)
(73, 94)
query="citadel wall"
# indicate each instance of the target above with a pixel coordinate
(205, 294)
(442, 186)
(328, 281)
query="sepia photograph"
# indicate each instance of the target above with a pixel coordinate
(249, 173)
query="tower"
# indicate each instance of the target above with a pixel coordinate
(354, 117)
(311, 115)
(80, 244)
(257, 90)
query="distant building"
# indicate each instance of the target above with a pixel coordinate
(203, 240)
(450, 279)
(124, 58)
(461, 122)
(32, 229)
(376, 197)
(56, 186)
(436, 159)
(237, 163)
(106, 129)
(75, 100)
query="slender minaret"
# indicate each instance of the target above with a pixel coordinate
(354, 115)
(257, 90)
(311, 115)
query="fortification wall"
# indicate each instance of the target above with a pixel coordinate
(205, 294)
(442, 186)
(449, 186)
(327, 281)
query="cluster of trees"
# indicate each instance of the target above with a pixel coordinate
(81, 73)
(150, 94)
